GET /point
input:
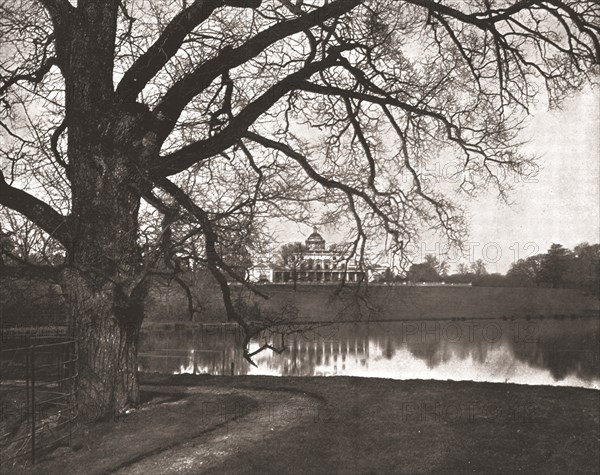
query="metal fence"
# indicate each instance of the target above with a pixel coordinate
(37, 396)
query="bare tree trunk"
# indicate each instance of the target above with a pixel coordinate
(108, 144)
(103, 285)
(106, 325)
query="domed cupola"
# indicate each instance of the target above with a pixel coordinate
(315, 241)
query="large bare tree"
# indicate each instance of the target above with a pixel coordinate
(131, 127)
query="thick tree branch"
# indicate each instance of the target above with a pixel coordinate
(163, 49)
(182, 92)
(210, 237)
(58, 9)
(202, 149)
(212, 256)
(54, 145)
(31, 271)
(34, 77)
(40, 213)
(482, 19)
(61, 13)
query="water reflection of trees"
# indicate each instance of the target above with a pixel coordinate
(564, 347)
(204, 349)
(571, 352)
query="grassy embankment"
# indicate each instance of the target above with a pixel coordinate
(347, 425)
(322, 303)
(36, 304)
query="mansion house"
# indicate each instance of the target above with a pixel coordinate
(315, 264)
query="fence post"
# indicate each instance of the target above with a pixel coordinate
(27, 385)
(23, 353)
(32, 369)
(70, 370)
(59, 373)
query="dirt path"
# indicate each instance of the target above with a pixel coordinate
(273, 412)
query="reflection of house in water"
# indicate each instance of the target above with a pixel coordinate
(560, 353)
(312, 354)
(315, 263)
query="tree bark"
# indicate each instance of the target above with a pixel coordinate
(106, 325)
(103, 282)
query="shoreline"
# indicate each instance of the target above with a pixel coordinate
(52, 330)
(151, 325)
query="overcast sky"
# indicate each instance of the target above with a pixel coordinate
(560, 205)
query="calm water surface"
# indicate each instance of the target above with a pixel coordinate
(549, 352)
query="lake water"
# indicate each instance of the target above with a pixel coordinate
(563, 352)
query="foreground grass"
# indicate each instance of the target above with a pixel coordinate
(356, 425)
(164, 419)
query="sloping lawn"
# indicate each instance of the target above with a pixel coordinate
(349, 425)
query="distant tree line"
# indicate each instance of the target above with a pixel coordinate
(559, 267)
